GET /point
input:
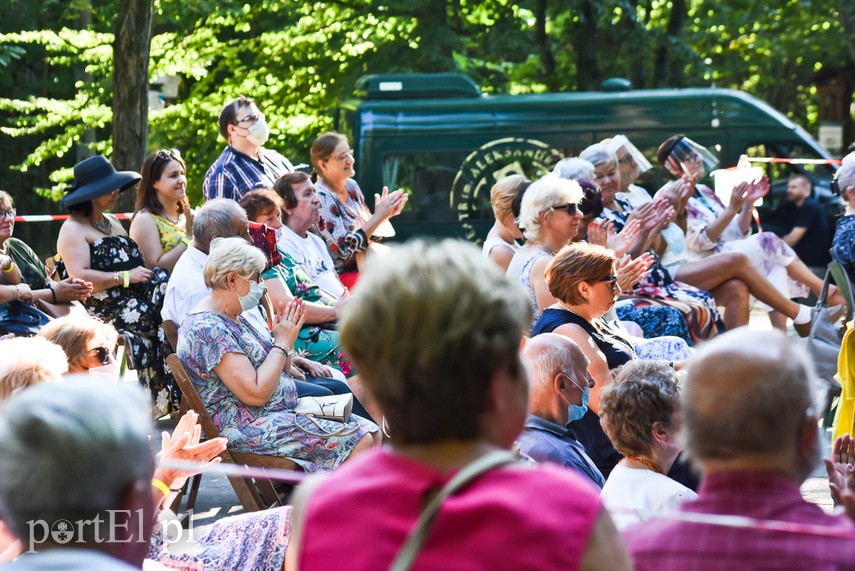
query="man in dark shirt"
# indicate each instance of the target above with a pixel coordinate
(805, 223)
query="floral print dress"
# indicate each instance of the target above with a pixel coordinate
(696, 317)
(767, 251)
(316, 343)
(255, 540)
(340, 224)
(271, 428)
(135, 313)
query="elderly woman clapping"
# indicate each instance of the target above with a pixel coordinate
(240, 375)
(640, 413)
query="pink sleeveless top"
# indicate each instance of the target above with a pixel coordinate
(509, 518)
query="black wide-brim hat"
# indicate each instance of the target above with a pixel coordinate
(94, 177)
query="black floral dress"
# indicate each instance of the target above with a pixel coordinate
(135, 313)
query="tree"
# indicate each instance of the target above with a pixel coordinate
(131, 49)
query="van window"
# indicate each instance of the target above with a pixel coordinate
(427, 178)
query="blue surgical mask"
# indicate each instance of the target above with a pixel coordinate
(577, 411)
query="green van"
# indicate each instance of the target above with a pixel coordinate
(439, 138)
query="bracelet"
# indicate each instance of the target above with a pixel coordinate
(11, 266)
(117, 278)
(17, 292)
(127, 276)
(285, 350)
(161, 486)
(52, 291)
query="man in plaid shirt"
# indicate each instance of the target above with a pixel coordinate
(244, 164)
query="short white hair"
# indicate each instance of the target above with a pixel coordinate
(846, 172)
(574, 168)
(26, 361)
(232, 255)
(71, 450)
(543, 194)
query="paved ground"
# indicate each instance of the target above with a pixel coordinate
(217, 498)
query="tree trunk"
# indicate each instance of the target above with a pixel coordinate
(541, 40)
(585, 45)
(664, 55)
(846, 10)
(130, 87)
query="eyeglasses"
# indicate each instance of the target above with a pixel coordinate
(169, 154)
(250, 119)
(105, 356)
(10, 213)
(345, 156)
(612, 279)
(569, 208)
(835, 188)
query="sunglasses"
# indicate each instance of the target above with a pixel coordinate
(570, 208)
(612, 279)
(250, 119)
(169, 155)
(104, 354)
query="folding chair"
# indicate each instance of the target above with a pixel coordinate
(254, 493)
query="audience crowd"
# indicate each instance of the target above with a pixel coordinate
(581, 394)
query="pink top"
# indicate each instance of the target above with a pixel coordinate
(509, 518)
(662, 544)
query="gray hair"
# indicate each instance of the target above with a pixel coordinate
(428, 327)
(544, 194)
(70, 451)
(232, 255)
(641, 394)
(544, 355)
(216, 219)
(26, 361)
(746, 392)
(846, 173)
(574, 168)
(598, 153)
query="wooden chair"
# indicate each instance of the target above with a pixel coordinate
(254, 493)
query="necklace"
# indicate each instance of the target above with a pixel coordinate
(104, 227)
(576, 313)
(646, 462)
(170, 220)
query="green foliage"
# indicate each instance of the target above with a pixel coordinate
(299, 60)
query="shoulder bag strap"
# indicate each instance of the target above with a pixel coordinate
(413, 544)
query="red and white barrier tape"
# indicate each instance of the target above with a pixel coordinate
(794, 161)
(61, 217)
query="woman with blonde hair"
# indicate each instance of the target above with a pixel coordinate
(501, 242)
(241, 375)
(88, 344)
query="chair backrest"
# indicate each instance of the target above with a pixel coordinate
(841, 278)
(254, 493)
(191, 396)
(170, 331)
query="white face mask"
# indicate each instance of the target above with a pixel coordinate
(253, 296)
(110, 371)
(258, 132)
(278, 233)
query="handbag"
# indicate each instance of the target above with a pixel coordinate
(21, 319)
(336, 408)
(417, 536)
(826, 333)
